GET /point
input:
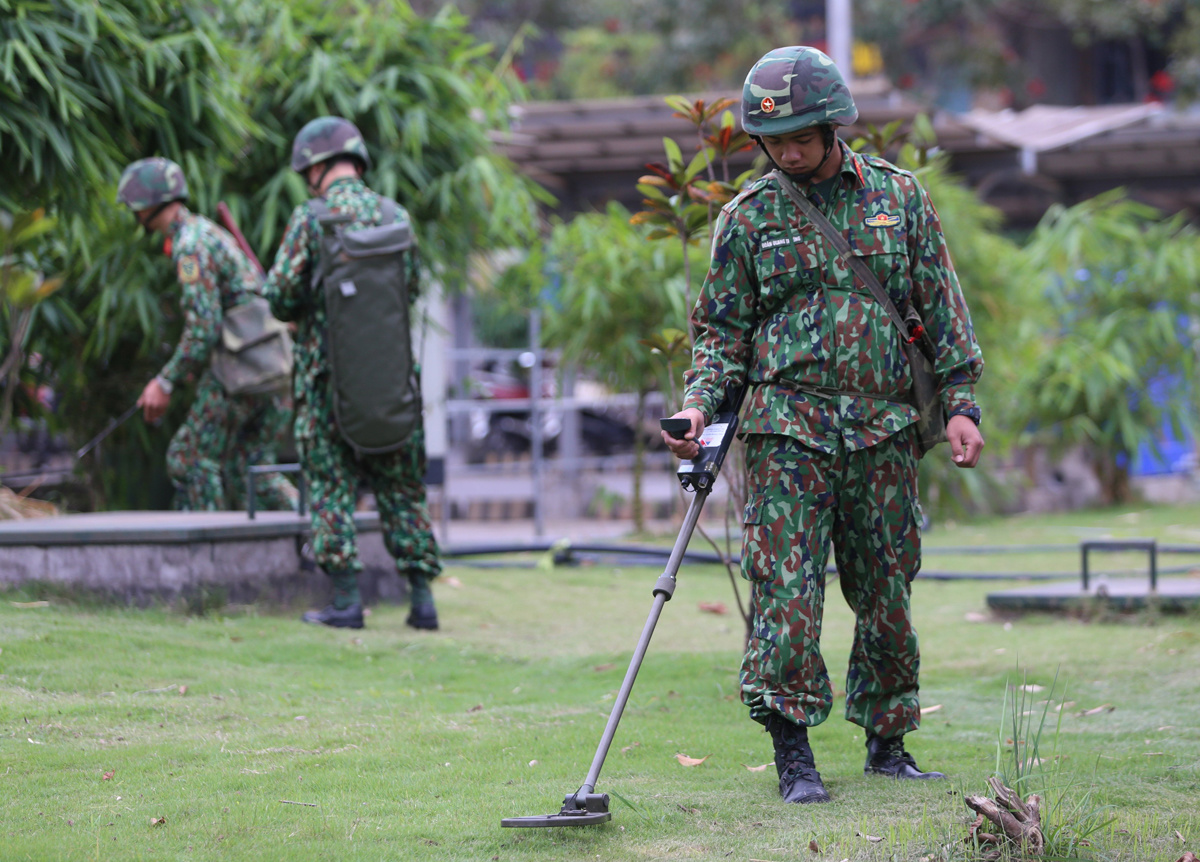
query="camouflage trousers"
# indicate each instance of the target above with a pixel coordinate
(865, 503)
(332, 471)
(221, 436)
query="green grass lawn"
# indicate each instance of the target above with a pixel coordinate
(403, 745)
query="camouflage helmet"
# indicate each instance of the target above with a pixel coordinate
(324, 138)
(793, 88)
(151, 182)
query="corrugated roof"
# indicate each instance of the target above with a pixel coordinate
(593, 150)
(1048, 127)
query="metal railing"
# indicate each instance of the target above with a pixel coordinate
(1108, 545)
(258, 470)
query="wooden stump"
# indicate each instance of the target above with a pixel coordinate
(1017, 822)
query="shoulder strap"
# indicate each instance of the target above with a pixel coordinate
(387, 211)
(325, 216)
(843, 249)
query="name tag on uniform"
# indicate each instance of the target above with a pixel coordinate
(347, 288)
(775, 243)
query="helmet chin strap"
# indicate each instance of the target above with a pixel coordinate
(149, 219)
(830, 139)
(316, 187)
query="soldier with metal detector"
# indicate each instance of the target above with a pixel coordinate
(346, 273)
(241, 407)
(832, 294)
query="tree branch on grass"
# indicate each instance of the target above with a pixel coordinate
(1019, 821)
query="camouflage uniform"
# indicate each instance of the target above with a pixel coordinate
(222, 434)
(331, 467)
(831, 451)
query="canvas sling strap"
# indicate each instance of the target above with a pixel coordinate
(932, 425)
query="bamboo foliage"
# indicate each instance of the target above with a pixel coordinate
(88, 86)
(84, 83)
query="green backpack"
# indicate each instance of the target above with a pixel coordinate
(376, 391)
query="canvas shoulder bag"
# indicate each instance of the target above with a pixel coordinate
(253, 356)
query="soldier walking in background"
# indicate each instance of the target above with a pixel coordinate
(830, 427)
(223, 434)
(309, 284)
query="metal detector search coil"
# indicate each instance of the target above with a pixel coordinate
(585, 807)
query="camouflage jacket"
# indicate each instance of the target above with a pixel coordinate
(824, 359)
(214, 275)
(294, 297)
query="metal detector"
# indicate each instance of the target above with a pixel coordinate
(585, 807)
(113, 425)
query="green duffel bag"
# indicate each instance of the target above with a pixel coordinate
(362, 275)
(254, 353)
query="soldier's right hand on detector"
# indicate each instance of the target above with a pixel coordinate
(687, 447)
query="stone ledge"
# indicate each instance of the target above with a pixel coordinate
(143, 557)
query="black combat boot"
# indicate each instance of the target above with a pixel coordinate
(888, 757)
(799, 780)
(423, 616)
(422, 613)
(345, 618)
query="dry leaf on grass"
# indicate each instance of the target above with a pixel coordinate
(1032, 688)
(30, 604)
(975, 617)
(108, 775)
(476, 708)
(1188, 856)
(813, 846)
(600, 668)
(874, 839)
(925, 710)
(758, 768)
(452, 581)
(713, 607)
(684, 760)
(1179, 835)
(158, 821)
(1104, 707)
(182, 690)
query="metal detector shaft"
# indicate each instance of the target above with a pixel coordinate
(585, 807)
(108, 429)
(664, 588)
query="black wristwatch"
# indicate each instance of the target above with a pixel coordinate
(972, 413)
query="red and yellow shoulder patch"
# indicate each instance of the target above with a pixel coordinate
(188, 269)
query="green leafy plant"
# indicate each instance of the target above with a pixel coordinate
(23, 287)
(612, 296)
(1115, 362)
(680, 205)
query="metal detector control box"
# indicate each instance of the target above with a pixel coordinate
(700, 473)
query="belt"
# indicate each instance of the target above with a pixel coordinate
(830, 392)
